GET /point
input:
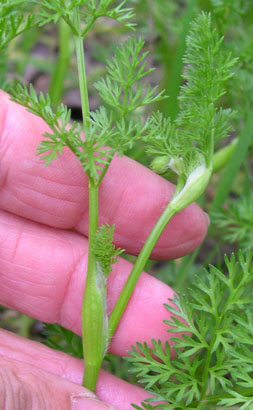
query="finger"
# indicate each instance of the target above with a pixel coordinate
(42, 273)
(23, 352)
(23, 387)
(131, 196)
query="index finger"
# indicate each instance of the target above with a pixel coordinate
(131, 196)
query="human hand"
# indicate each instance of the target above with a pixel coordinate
(44, 225)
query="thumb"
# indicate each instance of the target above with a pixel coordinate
(24, 387)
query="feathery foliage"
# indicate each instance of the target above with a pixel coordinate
(104, 135)
(59, 338)
(104, 249)
(122, 88)
(237, 218)
(199, 123)
(14, 19)
(91, 10)
(214, 356)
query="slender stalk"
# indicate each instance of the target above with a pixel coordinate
(185, 193)
(141, 261)
(206, 369)
(65, 52)
(81, 70)
(101, 176)
(89, 26)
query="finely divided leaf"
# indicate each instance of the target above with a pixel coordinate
(15, 18)
(214, 356)
(199, 123)
(122, 87)
(105, 251)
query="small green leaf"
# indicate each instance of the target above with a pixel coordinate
(104, 249)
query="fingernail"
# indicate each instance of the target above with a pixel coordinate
(87, 403)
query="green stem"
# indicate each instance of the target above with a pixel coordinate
(183, 195)
(89, 26)
(93, 307)
(65, 52)
(206, 370)
(94, 319)
(101, 176)
(81, 70)
(141, 261)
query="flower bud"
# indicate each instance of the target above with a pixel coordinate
(160, 164)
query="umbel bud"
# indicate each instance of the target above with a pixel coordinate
(163, 163)
(160, 164)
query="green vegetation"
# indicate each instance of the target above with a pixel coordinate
(207, 73)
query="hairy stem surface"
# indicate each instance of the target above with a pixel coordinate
(93, 314)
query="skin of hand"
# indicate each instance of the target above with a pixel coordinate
(43, 233)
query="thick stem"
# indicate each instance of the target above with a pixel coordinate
(94, 317)
(81, 71)
(93, 307)
(137, 269)
(65, 52)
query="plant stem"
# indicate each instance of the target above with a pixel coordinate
(94, 320)
(101, 176)
(141, 261)
(206, 369)
(185, 193)
(65, 52)
(89, 26)
(93, 307)
(81, 70)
